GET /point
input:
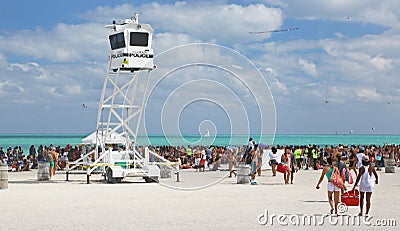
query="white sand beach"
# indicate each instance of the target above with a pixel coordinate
(134, 205)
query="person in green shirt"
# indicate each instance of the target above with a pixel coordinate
(297, 156)
(189, 153)
(314, 155)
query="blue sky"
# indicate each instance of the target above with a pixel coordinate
(53, 58)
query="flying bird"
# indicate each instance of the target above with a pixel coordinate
(84, 106)
(326, 101)
(274, 31)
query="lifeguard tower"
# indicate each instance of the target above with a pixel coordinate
(121, 106)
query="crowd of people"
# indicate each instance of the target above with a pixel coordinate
(57, 156)
(199, 157)
(362, 160)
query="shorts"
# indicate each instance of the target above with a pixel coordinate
(51, 164)
(332, 187)
(274, 162)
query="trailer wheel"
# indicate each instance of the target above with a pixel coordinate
(151, 179)
(155, 179)
(110, 179)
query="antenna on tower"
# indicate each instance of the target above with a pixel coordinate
(136, 17)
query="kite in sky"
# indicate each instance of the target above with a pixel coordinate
(274, 31)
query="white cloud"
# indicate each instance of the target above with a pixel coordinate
(368, 94)
(237, 67)
(339, 35)
(281, 86)
(167, 40)
(271, 71)
(65, 43)
(222, 23)
(381, 63)
(9, 87)
(277, 87)
(308, 67)
(206, 21)
(31, 68)
(73, 90)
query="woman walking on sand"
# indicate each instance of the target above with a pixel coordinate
(367, 183)
(272, 160)
(286, 158)
(332, 189)
(254, 162)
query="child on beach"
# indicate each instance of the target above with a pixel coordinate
(366, 177)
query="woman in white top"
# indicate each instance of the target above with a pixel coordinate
(272, 160)
(367, 183)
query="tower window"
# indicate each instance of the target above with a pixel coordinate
(139, 39)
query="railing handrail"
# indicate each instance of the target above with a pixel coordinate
(101, 157)
(74, 163)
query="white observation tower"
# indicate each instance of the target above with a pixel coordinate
(121, 108)
(124, 89)
(122, 101)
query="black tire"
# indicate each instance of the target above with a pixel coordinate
(109, 177)
(153, 179)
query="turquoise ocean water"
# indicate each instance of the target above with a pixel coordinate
(26, 140)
